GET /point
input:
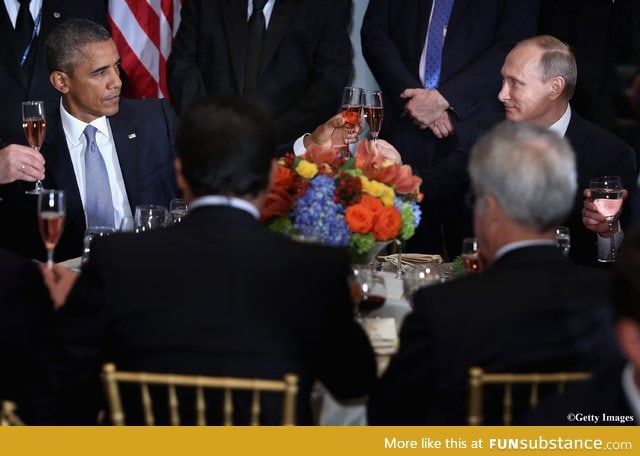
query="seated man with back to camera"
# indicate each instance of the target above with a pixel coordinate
(530, 311)
(132, 140)
(216, 294)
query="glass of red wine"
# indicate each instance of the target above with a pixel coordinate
(51, 212)
(351, 109)
(34, 125)
(373, 112)
(368, 290)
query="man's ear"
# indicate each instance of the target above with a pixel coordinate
(628, 335)
(182, 182)
(60, 81)
(557, 87)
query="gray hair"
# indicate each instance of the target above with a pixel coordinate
(557, 60)
(529, 169)
(64, 45)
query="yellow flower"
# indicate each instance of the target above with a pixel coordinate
(387, 196)
(375, 188)
(307, 169)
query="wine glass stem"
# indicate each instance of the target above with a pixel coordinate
(50, 258)
(612, 253)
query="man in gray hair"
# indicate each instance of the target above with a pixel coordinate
(530, 311)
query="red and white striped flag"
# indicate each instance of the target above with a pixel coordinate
(143, 31)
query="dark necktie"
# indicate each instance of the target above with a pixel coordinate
(98, 202)
(24, 26)
(435, 42)
(255, 36)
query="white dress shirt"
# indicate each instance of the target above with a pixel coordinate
(13, 6)
(231, 201)
(77, 143)
(267, 10)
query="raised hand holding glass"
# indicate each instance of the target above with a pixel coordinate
(606, 194)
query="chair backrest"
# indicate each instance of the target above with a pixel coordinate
(478, 378)
(112, 378)
(8, 415)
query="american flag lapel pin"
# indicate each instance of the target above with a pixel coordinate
(56, 15)
(132, 136)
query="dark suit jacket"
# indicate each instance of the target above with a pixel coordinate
(14, 86)
(479, 36)
(598, 153)
(143, 132)
(306, 59)
(530, 312)
(602, 395)
(26, 313)
(216, 294)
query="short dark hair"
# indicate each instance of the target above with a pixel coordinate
(64, 45)
(626, 278)
(226, 146)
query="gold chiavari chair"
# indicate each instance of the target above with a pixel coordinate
(112, 379)
(478, 378)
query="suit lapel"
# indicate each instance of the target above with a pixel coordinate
(8, 49)
(59, 171)
(281, 18)
(125, 136)
(234, 14)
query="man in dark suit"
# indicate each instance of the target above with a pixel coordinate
(611, 397)
(530, 311)
(428, 122)
(26, 313)
(216, 294)
(134, 139)
(303, 64)
(539, 79)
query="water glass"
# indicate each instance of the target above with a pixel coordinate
(149, 217)
(91, 233)
(416, 278)
(127, 225)
(563, 239)
(178, 209)
(470, 255)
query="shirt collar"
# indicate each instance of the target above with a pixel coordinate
(561, 125)
(631, 391)
(74, 128)
(502, 251)
(219, 200)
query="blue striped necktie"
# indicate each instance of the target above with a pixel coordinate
(435, 42)
(98, 202)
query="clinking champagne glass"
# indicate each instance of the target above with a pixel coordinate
(373, 112)
(351, 109)
(606, 194)
(34, 125)
(51, 212)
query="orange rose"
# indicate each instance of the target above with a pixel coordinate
(359, 218)
(284, 177)
(372, 203)
(388, 224)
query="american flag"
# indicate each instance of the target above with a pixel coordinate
(143, 31)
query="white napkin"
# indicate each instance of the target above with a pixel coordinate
(411, 260)
(382, 334)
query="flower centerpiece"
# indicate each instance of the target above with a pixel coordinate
(353, 203)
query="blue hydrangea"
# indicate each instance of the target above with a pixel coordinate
(317, 215)
(398, 202)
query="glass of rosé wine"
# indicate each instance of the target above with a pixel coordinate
(351, 110)
(606, 194)
(34, 125)
(373, 112)
(51, 212)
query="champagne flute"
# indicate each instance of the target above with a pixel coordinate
(373, 112)
(470, 255)
(34, 125)
(51, 212)
(351, 109)
(606, 194)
